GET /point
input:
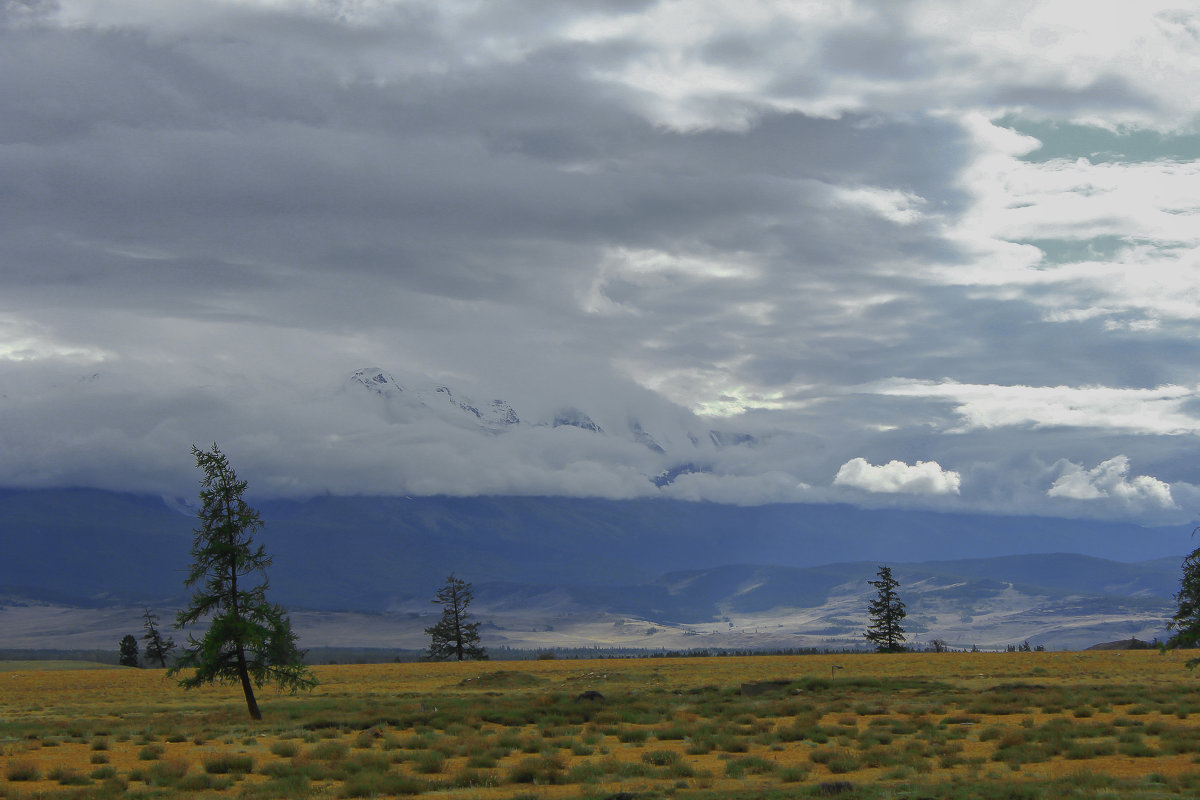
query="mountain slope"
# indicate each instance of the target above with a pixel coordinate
(759, 576)
(371, 553)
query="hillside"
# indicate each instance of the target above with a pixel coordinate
(372, 553)
(80, 565)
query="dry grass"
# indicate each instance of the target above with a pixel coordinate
(945, 725)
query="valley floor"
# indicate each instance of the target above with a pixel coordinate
(49, 627)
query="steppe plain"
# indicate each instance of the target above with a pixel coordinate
(1013, 725)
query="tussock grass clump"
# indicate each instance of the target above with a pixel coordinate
(633, 735)
(660, 758)
(381, 784)
(284, 748)
(738, 767)
(367, 762)
(546, 770)
(151, 752)
(329, 750)
(226, 763)
(473, 779)
(166, 773)
(837, 760)
(203, 782)
(66, 776)
(22, 770)
(429, 763)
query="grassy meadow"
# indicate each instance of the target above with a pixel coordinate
(1003, 725)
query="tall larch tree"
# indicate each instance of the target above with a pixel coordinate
(249, 640)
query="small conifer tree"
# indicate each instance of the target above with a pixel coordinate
(454, 636)
(886, 611)
(129, 651)
(158, 647)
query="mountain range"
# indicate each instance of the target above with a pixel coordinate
(773, 576)
(676, 436)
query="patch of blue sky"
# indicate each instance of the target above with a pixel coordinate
(1061, 140)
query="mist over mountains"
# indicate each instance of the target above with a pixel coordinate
(673, 443)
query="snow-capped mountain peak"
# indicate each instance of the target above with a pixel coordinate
(416, 400)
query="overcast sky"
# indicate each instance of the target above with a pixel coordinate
(929, 254)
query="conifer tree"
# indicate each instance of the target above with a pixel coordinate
(249, 640)
(157, 647)
(129, 651)
(886, 611)
(1186, 620)
(454, 636)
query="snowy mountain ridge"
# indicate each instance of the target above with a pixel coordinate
(410, 401)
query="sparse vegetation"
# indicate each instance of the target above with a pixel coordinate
(949, 725)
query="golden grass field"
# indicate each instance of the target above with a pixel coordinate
(1089, 724)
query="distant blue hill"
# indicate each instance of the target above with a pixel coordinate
(371, 553)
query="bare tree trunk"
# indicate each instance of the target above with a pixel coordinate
(247, 686)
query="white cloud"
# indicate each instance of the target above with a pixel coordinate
(1109, 480)
(22, 340)
(896, 477)
(1148, 411)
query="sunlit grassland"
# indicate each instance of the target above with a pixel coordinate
(907, 725)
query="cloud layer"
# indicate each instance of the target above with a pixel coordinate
(958, 242)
